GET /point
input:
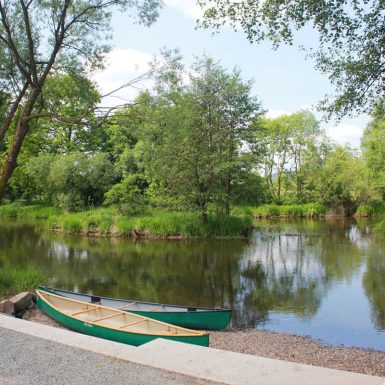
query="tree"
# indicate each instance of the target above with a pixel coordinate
(342, 182)
(191, 144)
(284, 146)
(351, 37)
(38, 38)
(373, 148)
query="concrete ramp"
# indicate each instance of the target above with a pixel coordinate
(236, 368)
(196, 361)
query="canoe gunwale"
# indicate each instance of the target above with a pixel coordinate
(193, 333)
(200, 310)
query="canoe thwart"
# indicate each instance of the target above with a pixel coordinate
(84, 310)
(133, 323)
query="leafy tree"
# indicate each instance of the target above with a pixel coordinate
(129, 195)
(373, 148)
(70, 100)
(351, 37)
(192, 143)
(337, 185)
(37, 38)
(284, 146)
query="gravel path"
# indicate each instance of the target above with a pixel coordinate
(283, 347)
(28, 360)
(300, 349)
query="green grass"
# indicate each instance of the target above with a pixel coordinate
(308, 210)
(14, 279)
(183, 224)
(157, 224)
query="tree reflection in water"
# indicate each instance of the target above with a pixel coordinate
(287, 267)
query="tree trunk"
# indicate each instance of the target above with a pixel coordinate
(10, 162)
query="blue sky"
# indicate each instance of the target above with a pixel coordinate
(284, 80)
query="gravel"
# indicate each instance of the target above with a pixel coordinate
(28, 360)
(282, 346)
(300, 349)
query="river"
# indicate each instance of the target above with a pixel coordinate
(325, 279)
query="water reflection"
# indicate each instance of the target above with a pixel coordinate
(287, 272)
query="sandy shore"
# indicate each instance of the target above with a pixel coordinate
(283, 347)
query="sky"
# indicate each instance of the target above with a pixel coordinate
(284, 80)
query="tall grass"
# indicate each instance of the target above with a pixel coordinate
(14, 279)
(158, 224)
(308, 210)
(184, 224)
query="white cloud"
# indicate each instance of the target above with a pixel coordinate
(188, 7)
(344, 133)
(122, 66)
(272, 114)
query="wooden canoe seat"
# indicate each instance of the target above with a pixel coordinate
(133, 323)
(84, 310)
(110, 316)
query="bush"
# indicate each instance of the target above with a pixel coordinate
(371, 210)
(129, 195)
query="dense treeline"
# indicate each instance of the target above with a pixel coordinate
(199, 141)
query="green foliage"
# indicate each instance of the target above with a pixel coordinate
(190, 145)
(129, 195)
(371, 210)
(71, 182)
(309, 210)
(380, 226)
(19, 279)
(373, 148)
(290, 150)
(351, 40)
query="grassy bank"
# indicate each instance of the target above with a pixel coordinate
(155, 224)
(30, 211)
(13, 280)
(308, 210)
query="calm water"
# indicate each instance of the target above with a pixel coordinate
(317, 278)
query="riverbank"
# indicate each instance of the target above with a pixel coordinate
(154, 224)
(281, 346)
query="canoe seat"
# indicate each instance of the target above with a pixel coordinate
(191, 309)
(95, 299)
(133, 323)
(85, 310)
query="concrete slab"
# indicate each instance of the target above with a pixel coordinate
(242, 369)
(206, 363)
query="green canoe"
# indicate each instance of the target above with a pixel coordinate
(185, 316)
(113, 324)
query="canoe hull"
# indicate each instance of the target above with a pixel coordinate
(112, 334)
(215, 320)
(202, 318)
